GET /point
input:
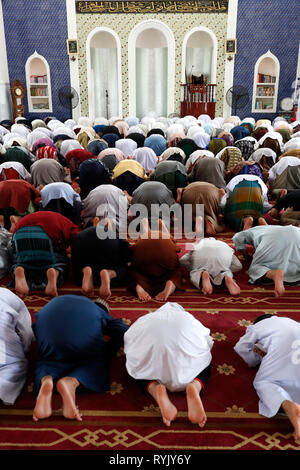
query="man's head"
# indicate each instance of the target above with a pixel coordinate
(263, 317)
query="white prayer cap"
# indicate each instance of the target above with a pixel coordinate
(257, 155)
(171, 151)
(2, 150)
(19, 129)
(38, 123)
(64, 130)
(71, 123)
(282, 125)
(194, 130)
(85, 121)
(54, 123)
(227, 126)
(3, 130)
(295, 124)
(249, 120)
(175, 129)
(132, 120)
(45, 131)
(190, 118)
(219, 121)
(205, 118)
(135, 129)
(201, 139)
(159, 125)
(196, 155)
(34, 136)
(101, 121)
(113, 119)
(293, 143)
(148, 121)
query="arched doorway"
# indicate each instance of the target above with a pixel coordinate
(199, 55)
(151, 69)
(104, 73)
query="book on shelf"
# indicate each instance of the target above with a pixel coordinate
(38, 91)
(262, 78)
(38, 78)
(265, 91)
(263, 105)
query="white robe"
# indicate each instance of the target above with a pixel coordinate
(15, 337)
(276, 247)
(213, 256)
(168, 345)
(278, 377)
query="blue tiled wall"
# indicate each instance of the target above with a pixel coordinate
(38, 25)
(264, 25)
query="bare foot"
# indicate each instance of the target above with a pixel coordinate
(2, 220)
(277, 276)
(199, 227)
(104, 290)
(210, 229)
(87, 281)
(232, 286)
(13, 220)
(51, 288)
(293, 411)
(43, 407)
(283, 193)
(196, 412)
(279, 285)
(21, 285)
(207, 288)
(248, 222)
(142, 294)
(66, 387)
(168, 410)
(168, 290)
(262, 221)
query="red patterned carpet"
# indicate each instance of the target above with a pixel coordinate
(126, 419)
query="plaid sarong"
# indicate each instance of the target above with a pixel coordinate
(245, 200)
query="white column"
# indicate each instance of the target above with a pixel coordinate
(5, 97)
(229, 65)
(298, 79)
(74, 71)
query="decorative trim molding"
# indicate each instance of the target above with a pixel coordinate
(156, 6)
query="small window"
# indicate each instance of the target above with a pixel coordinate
(265, 87)
(38, 84)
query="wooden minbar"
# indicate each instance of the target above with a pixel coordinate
(198, 99)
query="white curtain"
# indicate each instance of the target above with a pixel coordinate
(151, 81)
(199, 61)
(104, 64)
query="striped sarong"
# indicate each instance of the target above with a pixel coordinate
(34, 248)
(245, 200)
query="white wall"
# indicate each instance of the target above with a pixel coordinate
(229, 65)
(5, 96)
(74, 72)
